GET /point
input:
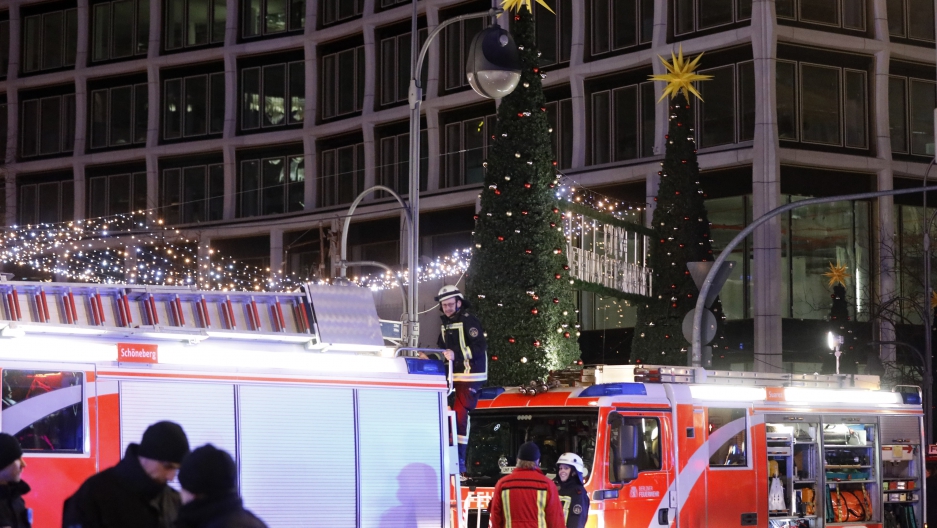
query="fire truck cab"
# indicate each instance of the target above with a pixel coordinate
(691, 448)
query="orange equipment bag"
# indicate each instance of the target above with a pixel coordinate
(851, 505)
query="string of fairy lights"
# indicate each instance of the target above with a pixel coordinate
(138, 248)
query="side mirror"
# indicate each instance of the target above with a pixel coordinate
(623, 461)
(628, 442)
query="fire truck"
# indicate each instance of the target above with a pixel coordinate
(328, 426)
(694, 448)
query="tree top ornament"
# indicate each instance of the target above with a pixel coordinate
(516, 5)
(679, 76)
(837, 274)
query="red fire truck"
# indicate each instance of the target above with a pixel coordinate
(691, 448)
(328, 426)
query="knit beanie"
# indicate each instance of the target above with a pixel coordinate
(10, 450)
(164, 441)
(208, 471)
(529, 452)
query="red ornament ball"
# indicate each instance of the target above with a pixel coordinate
(528, 251)
(556, 301)
(536, 342)
(558, 276)
(494, 358)
(566, 335)
(500, 239)
(527, 185)
(511, 340)
(534, 311)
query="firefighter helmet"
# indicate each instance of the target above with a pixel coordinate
(449, 291)
(575, 461)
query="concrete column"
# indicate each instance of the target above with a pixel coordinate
(886, 229)
(276, 253)
(766, 191)
(78, 175)
(370, 69)
(577, 88)
(432, 56)
(577, 52)
(10, 184)
(230, 181)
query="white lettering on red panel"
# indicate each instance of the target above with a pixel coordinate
(137, 353)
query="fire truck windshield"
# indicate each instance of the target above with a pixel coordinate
(495, 436)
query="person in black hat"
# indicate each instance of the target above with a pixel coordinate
(209, 492)
(134, 492)
(13, 511)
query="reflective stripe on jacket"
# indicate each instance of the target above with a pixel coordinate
(463, 334)
(526, 499)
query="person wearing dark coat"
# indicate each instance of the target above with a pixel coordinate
(13, 510)
(570, 479)
(209, 492)
(135, 491)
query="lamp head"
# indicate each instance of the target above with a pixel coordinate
(493, 67)
(833, 340)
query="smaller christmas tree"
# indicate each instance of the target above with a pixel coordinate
(841, 325)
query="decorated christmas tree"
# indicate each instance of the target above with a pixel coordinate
(518, 280)
(683, 231)
(841, 325)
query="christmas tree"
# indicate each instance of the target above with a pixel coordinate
(518, 279)
(840, 325)
(683, 232)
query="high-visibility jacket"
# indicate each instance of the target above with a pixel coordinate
(526, 499)
(463, 334)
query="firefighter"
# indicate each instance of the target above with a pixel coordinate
(463, 339)
(135, 491)
(13, 511)
(570, 477)
(209, 492)
(526, 497)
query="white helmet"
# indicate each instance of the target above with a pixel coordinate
(575, 461)
(449, 291)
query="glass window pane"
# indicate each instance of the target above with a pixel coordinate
(175, 23)
(326, 194)
(250, 187)
(121, 117)
(744, 9)
(59, 431)
(4, 47)
(746, 101)
(647, 20)
(387, 170)
(403, 67)
(219, 17)
(49, 202)
(216, 103)
(68, 123)
(820, 114)
(855, 112)
(648, 109)
(784, 8)
(199, 23)
(684, 16)
(922, 117)
(68, 201)
(53, 26)
(624, 23)
(171, 196)
(359, 78)
(453, 156)
(546, 35)
(4, 133)
(553, 120)
(143, 27)
(297, 14)
(717, 110)
(172, 111)
(253, 12)
(854, 14)
(50, 125)
(297, 183)
(787, 103)
(297, 92)
(714, 13)
(123, 31)
(100, 34)
(139, 192)
(98, 118)
(29, 140)
(921, 21)
(27, 205)
(276, 16)
(118, 195)
(97, 197)
(600, 26)
(359, 169)
(625, 123)
(250, 98)
(600, 129)
(140, 112)
(32, 43)
(328, 86)
(898, 114)
(732, 452)
(453, 56)
(895, 12)
(71, 36)
(274, 183)
(822, 11)
(216, 192)
(196, 105)
(274, 91)
(566, 29)
(346, 82)
(345, 177)
(193, 194)
(402, 182)
(474, 156)
(388, 71)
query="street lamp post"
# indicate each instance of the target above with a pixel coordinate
(928, 314)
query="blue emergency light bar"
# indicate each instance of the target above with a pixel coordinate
(911, 398)
(425, 366)
(614, 389)
(490, 393)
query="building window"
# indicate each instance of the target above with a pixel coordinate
(118, 116)
(391, 3)
(193, 106)
(554, 32)
(192, 194)
(697, 15)
(119, 29)
(192, 23)
(823, 105)
(911, 115)
(455, 47)
(273, 95)
(46, 201)
(727, 113)
(911, 19)
(4, 45)
(53, 429)
(116, 194)
(618, 25)
(343, 82)
(623, 123)
(47, 125)
(4, 131)
(269, 17)
(342, 175)
(273, 185)
(466, 149)
(334, 11)
(50, 40)
(395, 68)
(560, 117)
(394, 162)
(846, 14)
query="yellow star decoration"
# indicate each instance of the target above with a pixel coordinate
(837, 274)
(516, 5)
(680, 77)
